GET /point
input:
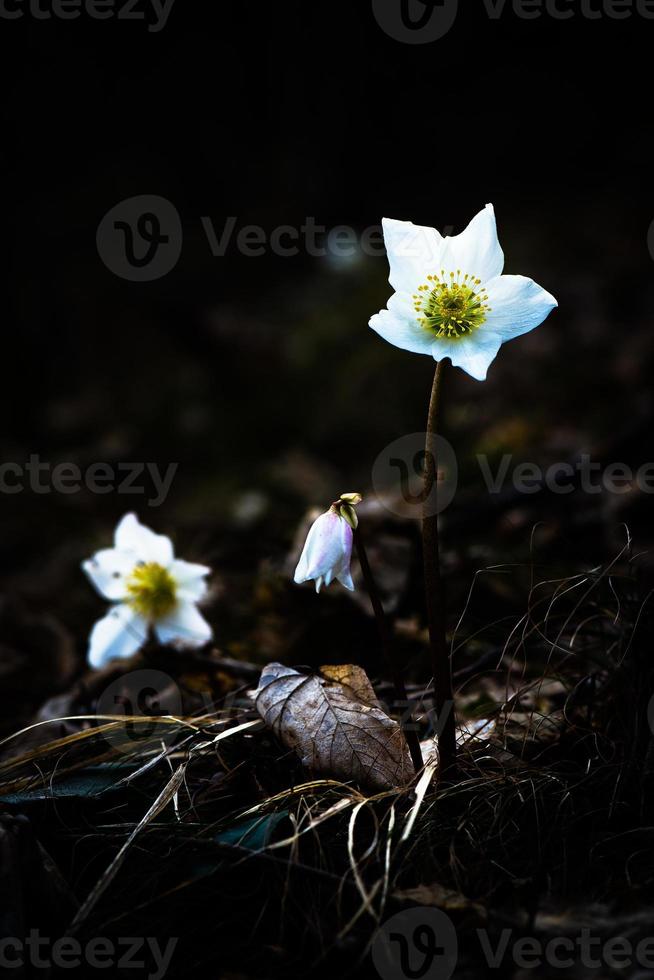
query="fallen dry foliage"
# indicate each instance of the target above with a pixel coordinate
(335, 725)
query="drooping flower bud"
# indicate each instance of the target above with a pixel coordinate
(327, 552)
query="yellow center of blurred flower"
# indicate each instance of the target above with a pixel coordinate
(451, 307)
(151, 590)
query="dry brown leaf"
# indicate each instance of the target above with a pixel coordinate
(334, 724)
(354, 678)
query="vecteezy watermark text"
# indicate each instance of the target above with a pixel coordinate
(398, 476)
(426, 21)
(310, 238)
(43, 477)
(423, 942)
(99, 953)
(567, 9)
(565, 477)
(140, 239)
(153, 12)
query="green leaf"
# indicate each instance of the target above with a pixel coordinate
(84, 784)
(252, 834)
(349, 514)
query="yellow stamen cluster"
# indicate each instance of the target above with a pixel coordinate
(152, 590)
(451, 307)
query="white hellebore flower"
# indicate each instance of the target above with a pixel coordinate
(151, 589)
(327, 552)
(451, 299)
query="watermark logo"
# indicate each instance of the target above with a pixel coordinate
(415, 944)
(141, 238)
(142, 694)
(415, 21)
(398, 476)
(422, 943)
(650, 714)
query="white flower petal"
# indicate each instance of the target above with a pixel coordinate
(108, 571)
(117, 636)
(190, 579)
(183, 627)
(474, 354)
(401, 331)
(345, 578)
(477, 250)
(343, 574)
(131, 535)
(517, 305)
(413, 251)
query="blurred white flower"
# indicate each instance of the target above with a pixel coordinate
(327, 552)
(150, 589)
(451, 299)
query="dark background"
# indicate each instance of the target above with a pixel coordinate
(259, 376)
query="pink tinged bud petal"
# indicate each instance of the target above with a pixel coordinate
(327, 553)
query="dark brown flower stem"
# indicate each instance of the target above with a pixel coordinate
(388, 649)
(443, 695)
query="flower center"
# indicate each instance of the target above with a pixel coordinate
(450, 306)
(152, 590)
